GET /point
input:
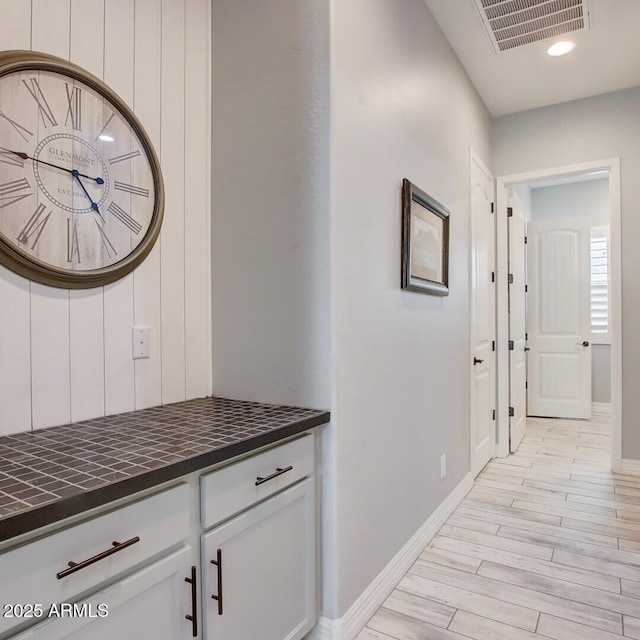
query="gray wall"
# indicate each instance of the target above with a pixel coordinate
(401, 107)
(597, 128)
(586, 199)
(270, 193)
(601, 373)
(307, 305)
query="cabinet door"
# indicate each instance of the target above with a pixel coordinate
(150, 604)
(265, 576)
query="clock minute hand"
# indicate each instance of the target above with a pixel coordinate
(24, 156)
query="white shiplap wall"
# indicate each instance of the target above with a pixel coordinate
(66, 355)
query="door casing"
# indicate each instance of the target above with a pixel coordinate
(517, 231)
(612, 165)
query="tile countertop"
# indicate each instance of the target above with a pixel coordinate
(51, 474)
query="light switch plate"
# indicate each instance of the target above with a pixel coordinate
(141, 338)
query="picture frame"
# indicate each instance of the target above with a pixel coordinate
(425, 242)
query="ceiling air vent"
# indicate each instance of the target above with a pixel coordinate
(513, 23)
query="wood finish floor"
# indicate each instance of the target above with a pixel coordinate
(545, 545)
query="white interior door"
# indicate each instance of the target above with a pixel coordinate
(517, 325)
(483, 383)
(559, 362)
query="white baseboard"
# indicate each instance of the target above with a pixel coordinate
(630, 467)
(322, 631)
(601, 407)
(350, 625)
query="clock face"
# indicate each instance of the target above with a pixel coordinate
(80, 186)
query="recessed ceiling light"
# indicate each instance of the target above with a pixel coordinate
(561, 48)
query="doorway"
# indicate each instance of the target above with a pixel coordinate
(505, 185)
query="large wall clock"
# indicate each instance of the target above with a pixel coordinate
(81, 192)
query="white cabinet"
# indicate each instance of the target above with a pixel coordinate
(264, 579)
(257, 521)
(111, 560)
(150, 604)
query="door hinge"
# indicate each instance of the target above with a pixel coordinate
(492, 207)
(494, 415)
(510, 278)
(526, 288)
(493, 345)
(510, 345)
(493, 276)
(512, 412)
(526, 336)
(509, 212)
(526, 384)
(525, 239)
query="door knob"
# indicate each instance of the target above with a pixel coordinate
(477, 361)
(583, 344)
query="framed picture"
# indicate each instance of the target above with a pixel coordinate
(425, 242)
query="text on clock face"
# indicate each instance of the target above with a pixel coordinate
(82, 156)
(69, 158)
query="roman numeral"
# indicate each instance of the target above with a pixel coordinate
(129, 188)
(73, 247)
(8, 157)
(124, 156)
(106, 243)
(18, 127)
(44, 110)
(74, 111)
(10, 191)
(124, 217)
(106, 124)
(34, 227)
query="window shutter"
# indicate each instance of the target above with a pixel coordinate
(599, 282)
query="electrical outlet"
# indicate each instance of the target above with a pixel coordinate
(443, 466)
(141, 340)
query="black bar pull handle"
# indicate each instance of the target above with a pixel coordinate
(193, 617)
(76, 566)
(278, 472)
(477, 361)
(218, 563)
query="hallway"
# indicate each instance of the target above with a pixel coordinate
(546, 545)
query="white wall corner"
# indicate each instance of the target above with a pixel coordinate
(630, 467)
(350, 625)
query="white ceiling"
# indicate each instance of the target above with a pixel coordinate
(606, 57)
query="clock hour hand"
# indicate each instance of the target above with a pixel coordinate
(24, 156)
(94, 205)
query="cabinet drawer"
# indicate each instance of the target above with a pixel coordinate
(231, 489)
(160, 521)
